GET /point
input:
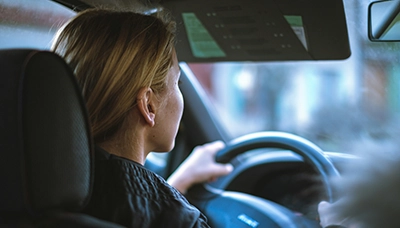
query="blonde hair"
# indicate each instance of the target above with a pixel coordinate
(113, 55)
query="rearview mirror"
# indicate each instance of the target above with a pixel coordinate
(384, 21)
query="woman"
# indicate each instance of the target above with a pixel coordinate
(128, 70)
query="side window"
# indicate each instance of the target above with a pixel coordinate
(30, 24)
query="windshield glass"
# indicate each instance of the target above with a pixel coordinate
(332, 103)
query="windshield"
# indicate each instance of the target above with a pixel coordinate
(332, 103)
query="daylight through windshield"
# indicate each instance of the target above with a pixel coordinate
(335, 104)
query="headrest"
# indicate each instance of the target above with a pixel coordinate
(45, 145)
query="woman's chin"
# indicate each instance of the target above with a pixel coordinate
(165, 149)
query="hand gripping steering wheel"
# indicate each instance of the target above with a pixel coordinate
(235, 209)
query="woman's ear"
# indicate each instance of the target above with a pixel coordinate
(145, 101)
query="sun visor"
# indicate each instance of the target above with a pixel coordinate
(259, 30)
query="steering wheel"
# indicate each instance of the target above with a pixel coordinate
(235, 209)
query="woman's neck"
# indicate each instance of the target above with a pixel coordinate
(130, 141)
(126, 147)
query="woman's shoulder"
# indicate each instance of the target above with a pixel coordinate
(132, 176)
(128, 193)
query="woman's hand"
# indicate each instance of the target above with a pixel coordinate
(199, 167)
(326, 215)
(329, 216)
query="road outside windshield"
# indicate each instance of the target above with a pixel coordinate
(339, 105)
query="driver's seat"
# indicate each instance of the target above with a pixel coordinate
(46, 164)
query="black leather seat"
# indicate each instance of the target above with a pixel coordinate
(46, 156)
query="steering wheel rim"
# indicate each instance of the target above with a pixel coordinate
(199, 195)
(310, 152)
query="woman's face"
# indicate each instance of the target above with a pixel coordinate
(170, 112)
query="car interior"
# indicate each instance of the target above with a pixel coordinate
(285, 156)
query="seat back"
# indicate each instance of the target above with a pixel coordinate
(45, 144)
